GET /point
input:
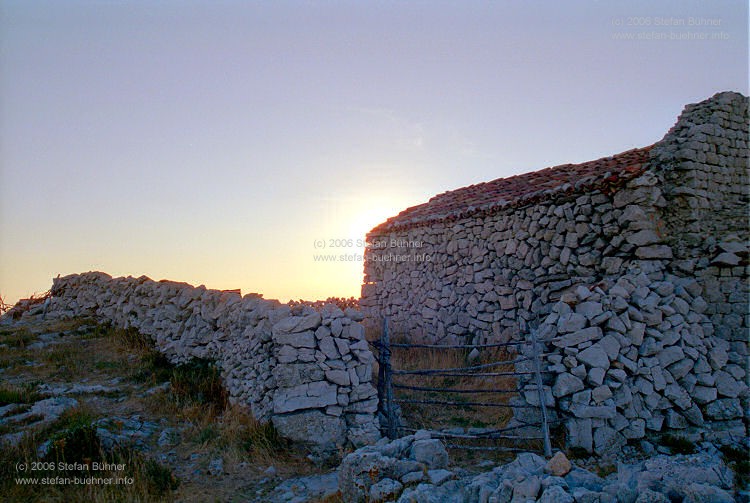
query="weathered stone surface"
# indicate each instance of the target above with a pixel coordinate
(555, 494)
(727, 385)
(670, 355)
(644, 237)
(305, 396)
(527, 489)
(431, 452)
(312, 428)
(589, 309)
(295, 324)
(594, 356)
(703, 394)
(571, 322)
(385, 490)
(726, 259)
(439, 477)
(309, 488)
(558, 465)
(579, 336)
(566, 384)
(592, 411)
(724, 409)
(607, 440)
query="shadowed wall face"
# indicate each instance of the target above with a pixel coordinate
(652, 236)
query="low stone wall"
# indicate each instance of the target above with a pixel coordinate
(308, 371)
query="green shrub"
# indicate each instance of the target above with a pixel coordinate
(199, 381)
(678, 445)
(133, 339)
(155, 368)
(160, 479)
(79, 444)
(737, 459)
(18, 394)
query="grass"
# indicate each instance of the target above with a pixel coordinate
(199, 381)
(198, 398)
(154, 368)
(195, 407)
(737, 459)
(678, 445)
(17, 338)
(73, 439)
(10, 393)
(438, 416)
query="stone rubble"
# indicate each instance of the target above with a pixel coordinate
(388, 471)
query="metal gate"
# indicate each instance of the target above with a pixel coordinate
(391, 389)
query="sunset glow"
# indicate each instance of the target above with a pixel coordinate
(217, 142)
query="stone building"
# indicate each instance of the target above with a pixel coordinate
(634, 266)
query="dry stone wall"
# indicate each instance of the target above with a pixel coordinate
(641, 284)
(306, 370)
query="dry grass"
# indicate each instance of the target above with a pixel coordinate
(74, 440)
(432, 416)
(195, 407)
(439, 416)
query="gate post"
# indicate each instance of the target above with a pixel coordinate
(390, 416)
(540, 389)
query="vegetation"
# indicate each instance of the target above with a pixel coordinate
(187, 401)
(341, 302)
(73, 447)
(441, 416)
(18, 394)
(737, 459)
(678, 445)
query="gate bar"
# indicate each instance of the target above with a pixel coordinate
(540, 388)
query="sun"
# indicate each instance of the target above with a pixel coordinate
(369, 216)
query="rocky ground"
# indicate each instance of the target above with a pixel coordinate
(80, 384)
(416, 469)
(79, 392)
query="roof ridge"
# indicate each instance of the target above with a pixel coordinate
(522, 188)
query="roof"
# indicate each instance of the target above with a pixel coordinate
(486, 198)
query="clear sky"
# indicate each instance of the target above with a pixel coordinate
(216, 142)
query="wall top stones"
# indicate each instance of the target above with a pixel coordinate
(606, 174)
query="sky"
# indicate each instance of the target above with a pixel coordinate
(235, 143)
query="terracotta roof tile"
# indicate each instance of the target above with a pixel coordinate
(496, 195)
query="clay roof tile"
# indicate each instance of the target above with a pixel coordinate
(486, 197)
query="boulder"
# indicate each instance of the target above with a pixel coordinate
(321, 432)
(558, 465)
(431, 452)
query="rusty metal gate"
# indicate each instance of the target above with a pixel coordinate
(392, 388)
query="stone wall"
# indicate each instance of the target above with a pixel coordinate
(308, 371)
(643, 278)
